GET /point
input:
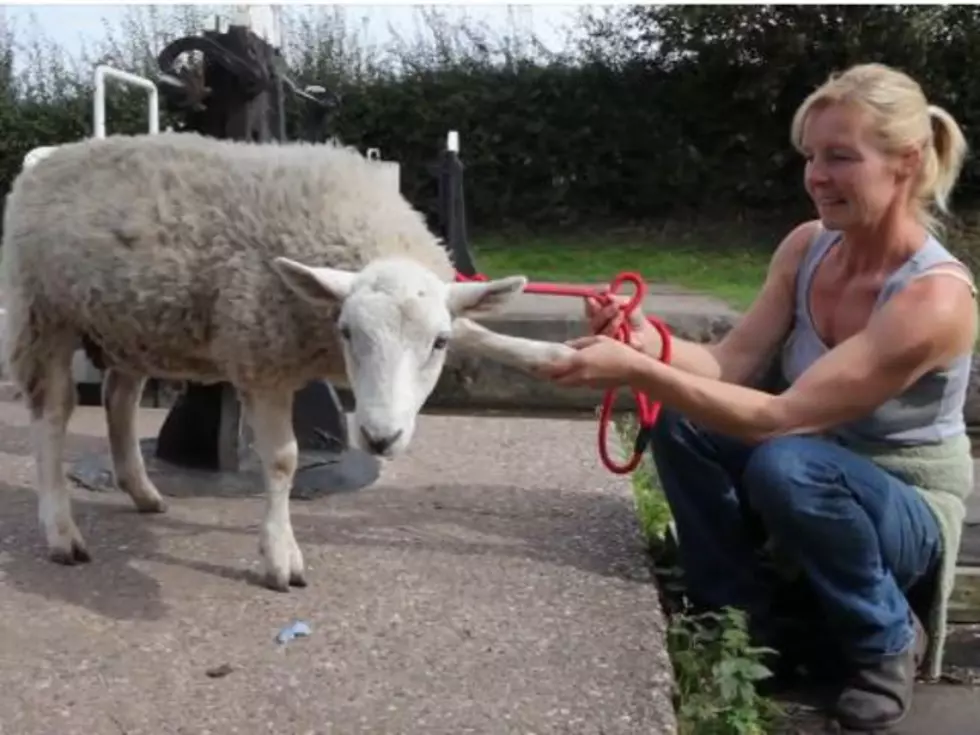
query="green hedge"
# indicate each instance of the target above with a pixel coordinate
(622, 134)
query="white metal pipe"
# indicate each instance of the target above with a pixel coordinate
(37, 154)
(102, 72)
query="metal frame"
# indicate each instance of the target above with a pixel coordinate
(102, 74)
(83, 371)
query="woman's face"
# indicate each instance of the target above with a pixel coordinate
(852, 182)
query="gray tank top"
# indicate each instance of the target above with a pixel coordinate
(929, 411)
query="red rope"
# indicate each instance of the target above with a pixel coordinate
(647, 411)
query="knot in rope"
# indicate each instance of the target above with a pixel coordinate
(647, 411)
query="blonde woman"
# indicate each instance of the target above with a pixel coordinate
(855, 474)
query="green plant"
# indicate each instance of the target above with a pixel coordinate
(716, 670)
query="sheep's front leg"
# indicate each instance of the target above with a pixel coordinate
(270, 415)
(517, 352)
(121, 395)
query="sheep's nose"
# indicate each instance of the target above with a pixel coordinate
(379, 444)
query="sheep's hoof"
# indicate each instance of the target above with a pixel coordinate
(283, 561)
(151, 505)
(75, 554)
(277, 582)
(146, 498)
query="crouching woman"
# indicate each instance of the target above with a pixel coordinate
(858, 471)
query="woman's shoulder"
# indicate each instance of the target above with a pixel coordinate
(937, 252)
(796, 244)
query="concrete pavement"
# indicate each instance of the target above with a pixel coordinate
(498, 588)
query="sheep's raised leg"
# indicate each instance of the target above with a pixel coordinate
(517, 352)
(121, 396)
(52, 403)
(271, 416)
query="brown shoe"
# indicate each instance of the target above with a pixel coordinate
(879, 695)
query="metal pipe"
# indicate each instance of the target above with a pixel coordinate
(102, 72)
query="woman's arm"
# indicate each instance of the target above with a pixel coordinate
(751, 343)
(920, 329)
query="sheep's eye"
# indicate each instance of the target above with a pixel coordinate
(345, 332)
(440, 343)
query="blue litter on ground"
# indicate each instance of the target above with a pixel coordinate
(298, 629)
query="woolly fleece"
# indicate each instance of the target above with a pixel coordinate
(157, 249)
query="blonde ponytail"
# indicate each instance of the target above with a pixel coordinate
(944, 159)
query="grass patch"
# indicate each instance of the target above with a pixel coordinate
(733, 273)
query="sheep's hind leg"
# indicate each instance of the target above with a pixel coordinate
(51, 404)
(270, 415)
(121, 396)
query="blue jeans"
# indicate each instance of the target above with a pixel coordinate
(861, 537)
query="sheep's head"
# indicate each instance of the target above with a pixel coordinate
(395, 323)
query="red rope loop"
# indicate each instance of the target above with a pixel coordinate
(647, 411)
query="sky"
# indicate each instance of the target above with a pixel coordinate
(68, 25)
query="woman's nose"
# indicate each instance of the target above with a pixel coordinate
(816, 172)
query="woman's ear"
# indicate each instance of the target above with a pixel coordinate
(908, 163)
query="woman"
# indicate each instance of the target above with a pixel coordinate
(858, 471)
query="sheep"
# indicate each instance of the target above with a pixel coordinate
(183, 257)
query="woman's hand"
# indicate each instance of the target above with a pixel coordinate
(600, 362)
(606, 320)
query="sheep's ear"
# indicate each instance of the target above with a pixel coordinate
(483, 296)
(316, 285)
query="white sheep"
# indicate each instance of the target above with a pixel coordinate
(188, 258)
